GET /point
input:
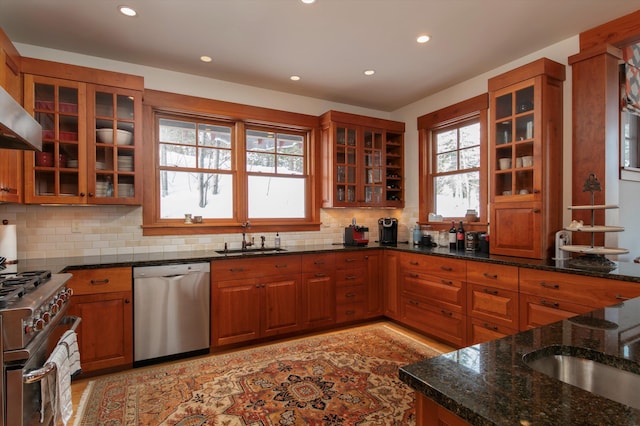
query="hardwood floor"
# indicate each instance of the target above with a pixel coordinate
(79, 386)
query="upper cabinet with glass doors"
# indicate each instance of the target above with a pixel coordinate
(90, 133)
(362, 161)
(526, 159)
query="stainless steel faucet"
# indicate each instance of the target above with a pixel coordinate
(245, 244)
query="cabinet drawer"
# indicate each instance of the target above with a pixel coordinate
(498, 276)
(619, 291)
(255, 267)
(349, 277)
(325, 262)
(102, 280)
(442, 323)
(564, 287)
(479, 331)
(493, 304)
(445, 292)
(536, 311)
(351, 260)
(350, 312)
(435, 265)
(353, 294)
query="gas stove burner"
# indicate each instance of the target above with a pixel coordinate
(9, 294)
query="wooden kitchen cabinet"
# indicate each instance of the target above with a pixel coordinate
(492, 301)
(358, 286)
(318, 290)
(391, 284)
(375, 298)
(11, 187)
(82, 165)
(103, 299)
(254, 298)
(363, 161)
(546, 297)
(433, 296)
(526, 159)
(430, 413)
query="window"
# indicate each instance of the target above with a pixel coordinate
(452, 156)
(276, 170)
(455, 164)
(229, 164)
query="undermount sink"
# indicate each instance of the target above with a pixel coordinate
(601, 379)
(257, 250)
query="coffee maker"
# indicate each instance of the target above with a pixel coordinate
(388, 230)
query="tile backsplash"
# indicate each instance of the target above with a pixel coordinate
(71, 231)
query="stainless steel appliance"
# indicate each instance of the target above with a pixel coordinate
(32, 316)
(170, 311)
(388, 230)
(18, 129)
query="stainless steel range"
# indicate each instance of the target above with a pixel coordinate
(32, 319)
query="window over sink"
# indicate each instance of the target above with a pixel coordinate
(227, 164)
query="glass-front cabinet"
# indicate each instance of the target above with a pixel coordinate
(90, 137)
(525, 190)
(362, 161)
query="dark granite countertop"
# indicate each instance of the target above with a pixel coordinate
(489, 383)
(625, 271)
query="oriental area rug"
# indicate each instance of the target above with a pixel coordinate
(344, 378)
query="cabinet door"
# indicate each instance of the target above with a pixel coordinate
(105, 335)
(391, 284)
(281, 305)
(518, 232)
(536, 311)
(58, 174)
(394, 161)
(114, 138)
(11, 175)
(479, 331)
(318, 299)
(346, 165)
(434, 321)
(373, 171)
(235, 307)
(375, 305)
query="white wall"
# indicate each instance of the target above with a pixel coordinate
(55, 222)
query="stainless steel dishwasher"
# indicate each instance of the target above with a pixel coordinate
(170, 311)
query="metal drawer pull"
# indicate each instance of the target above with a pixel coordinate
(621, 297)
(350, 312)
(236, 269)
(491, 276)
(350, 295)
(414, 262)
(494, 292)
(319, 274)
(350, 260)
(283, 265)
(318, 262)
(414, 275)
(446, 268)
(550, 304)
(446, 282)
(350, 277)
(447, 313)
(490, 327)
(100, 282)
(414, 302)
(37, 375)
(547, 285)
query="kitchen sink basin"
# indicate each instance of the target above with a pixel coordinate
(601, 379)
(258, 250)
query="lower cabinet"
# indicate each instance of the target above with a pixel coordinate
(430, 413)
(442, 323)
(103, 299)
(391, 284)
(263, 300)
(318, 290)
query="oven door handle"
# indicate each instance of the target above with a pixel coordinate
(38, 374)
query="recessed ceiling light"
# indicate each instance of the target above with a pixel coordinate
(423, 38)
(126, 10)
(205, 58)
(369, 72)
(295, 78)
(308, 1)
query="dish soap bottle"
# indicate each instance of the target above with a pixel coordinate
(276, 243)
(417, 235)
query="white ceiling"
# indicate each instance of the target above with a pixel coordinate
(328, 44)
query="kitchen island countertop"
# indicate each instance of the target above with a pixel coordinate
(490, 384)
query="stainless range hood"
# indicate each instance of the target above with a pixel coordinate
(18, 129)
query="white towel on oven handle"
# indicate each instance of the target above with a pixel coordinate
(70, 337)
(57, 390)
